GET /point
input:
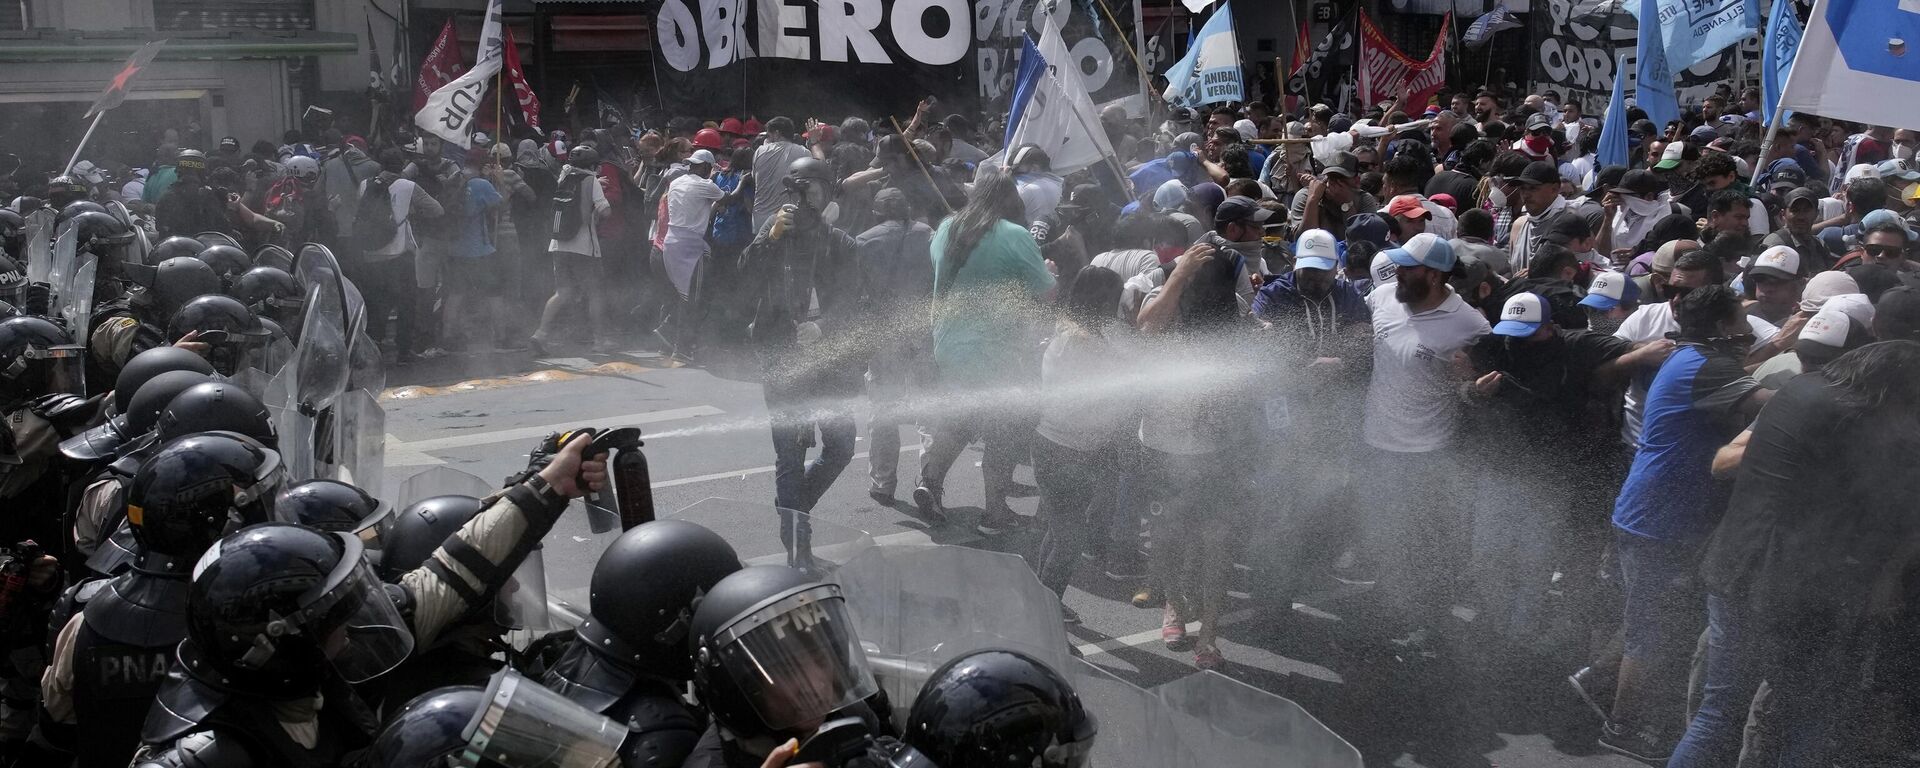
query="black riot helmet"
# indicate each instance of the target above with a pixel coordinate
(13, 232)
(13, 280)
(274, 605)
(331, 505)
(217, 406)
(175, 247)
(512, 722)
(775, 655)
(73, 209)
(104, 440)
(63, 190)
(173, 282)
(198, 489)
(996, 708)
(420, 529)
(677, 562)
(231, 330)
(273, 256)
(100, 232)
(227, 261)
(37, 357)
(269, 291)
(213, 238)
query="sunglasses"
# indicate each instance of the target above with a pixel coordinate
(1883, 251)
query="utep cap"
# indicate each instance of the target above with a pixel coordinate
(1779, 261)
(1610, 289)
(1424, 250)
(1522, 315)
(1315, 250)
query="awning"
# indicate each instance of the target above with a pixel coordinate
(44, 45)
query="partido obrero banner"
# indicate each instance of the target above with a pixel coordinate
(830, 58)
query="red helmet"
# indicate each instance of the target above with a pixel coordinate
(752, 127)
(732, 125)
(707, 138)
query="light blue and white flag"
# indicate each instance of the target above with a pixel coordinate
(1210, 72)
(1654, 77)
(1854, 63)
(1613, 132)
(1693, 30)
(1050, 107)
(1482, 29)
(1776, 57)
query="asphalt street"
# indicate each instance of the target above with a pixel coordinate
(1486, 704)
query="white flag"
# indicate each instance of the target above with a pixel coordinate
(450, 111)
(1053, 110)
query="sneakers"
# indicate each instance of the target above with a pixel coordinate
(881, 495)
(1642, 744)
(1208, 657)
(1069, 616)
(1125, 566)
(1173, 629)
(1595, 691)
(928, 503)
(1145, 599)
(999, 521)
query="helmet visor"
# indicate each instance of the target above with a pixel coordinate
(114, 553)
(798, 659)
(523, 724)
(359, 629)
(66, 368)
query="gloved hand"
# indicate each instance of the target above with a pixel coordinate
(37, 299)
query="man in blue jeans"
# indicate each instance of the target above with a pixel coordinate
(1700, 400)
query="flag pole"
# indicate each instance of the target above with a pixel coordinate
(84, 138)
(921, 163)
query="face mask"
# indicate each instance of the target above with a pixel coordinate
(1903, 151)
(1641, 208)
(1497, 196)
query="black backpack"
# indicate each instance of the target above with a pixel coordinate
(373, 223)
(566, 205)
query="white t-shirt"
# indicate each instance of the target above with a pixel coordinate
(1413, 405)
(592, 200)
(1655, 321)
(400, 196)
(690, 202)
(1440, 221)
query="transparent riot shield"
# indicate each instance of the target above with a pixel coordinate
(917, 606)
(366, 372)
(211, 239)
(76, 301)
(274, 256)
(316, 265)
(1133, 722)
(1217, 720)
(40, 244)
(360, 445)
(522, 602)
(141, 251)
(356, 307)
(66, 257)
(315, 380)
(120, 213)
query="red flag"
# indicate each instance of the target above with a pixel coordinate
(116, 91)
(1385, 70)
(517, 78)
(440, 67)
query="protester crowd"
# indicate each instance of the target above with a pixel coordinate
(1436, 348)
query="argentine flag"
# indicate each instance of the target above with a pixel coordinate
(1210, 72)
(1857, 62)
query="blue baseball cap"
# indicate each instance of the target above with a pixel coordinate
(1424, 250)
(1371, 227)
(1522, 315)
(1610, 289)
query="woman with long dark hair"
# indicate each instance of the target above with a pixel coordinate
(988, 277)
(1085, 410)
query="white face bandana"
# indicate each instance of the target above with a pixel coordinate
(1639, 207)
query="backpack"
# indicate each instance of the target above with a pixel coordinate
(373, 223)
(566, 205)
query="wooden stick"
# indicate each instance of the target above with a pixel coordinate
(915, 154)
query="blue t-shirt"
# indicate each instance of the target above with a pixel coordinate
(733, 222)
(1670, 493)
(474, 238)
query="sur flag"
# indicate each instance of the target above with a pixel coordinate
(116, 91)
(451, 111)
(517, 80)
(1613, 131)
(1210, 72)
(1776, 57)
(1482, 29)
(1693, 30)
(1050, 106)
(440, 67)
(1854, 63)
(1654, 78)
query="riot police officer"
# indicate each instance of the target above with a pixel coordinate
(266, 600)
(510, 722)
(331, 505)
(815, 692)
(65, 190)
(190, 205)
(798, 254)
(272, 294)
(997, 708)
(13, 233)
(136, 322)
(107, 238)
(228, 262)
(110, 659)
(41, 383)
(231, 332)
(176, 247)
(631, 653)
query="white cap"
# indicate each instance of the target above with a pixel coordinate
(1861, 171)
(1385, 272)
(1316, 249)
(1741, 169)
(1830, 325)
(1825, 286)
(700, 157)
(1609, 289)
(1779, 261)
(1522, 315)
